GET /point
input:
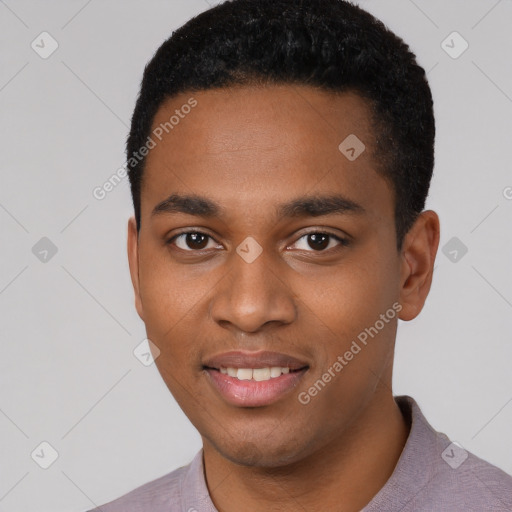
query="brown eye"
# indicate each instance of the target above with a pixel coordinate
(319, 241)
(191, 241)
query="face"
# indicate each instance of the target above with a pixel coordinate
(264, 247)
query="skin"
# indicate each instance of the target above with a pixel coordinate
(250, 149)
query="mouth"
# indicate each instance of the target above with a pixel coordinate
(255, 379)
(255, 374)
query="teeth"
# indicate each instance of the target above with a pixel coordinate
(275, 371)
(257, 374)
(244, 374)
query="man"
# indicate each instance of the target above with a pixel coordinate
(280, 155)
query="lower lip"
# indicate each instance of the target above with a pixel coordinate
(251, 393)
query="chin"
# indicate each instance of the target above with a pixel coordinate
(260, 453)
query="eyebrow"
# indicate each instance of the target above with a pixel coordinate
(305, 206)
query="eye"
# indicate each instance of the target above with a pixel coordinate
(191, 241)
(320, 241)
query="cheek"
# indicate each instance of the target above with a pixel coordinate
(351, 296)
(169, 292)
(169, 298)
(358, 344)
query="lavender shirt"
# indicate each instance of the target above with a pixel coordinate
(432, 475)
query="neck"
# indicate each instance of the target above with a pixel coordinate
(344, 475)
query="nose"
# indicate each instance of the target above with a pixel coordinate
(253, 295)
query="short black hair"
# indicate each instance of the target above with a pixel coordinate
(332, 45)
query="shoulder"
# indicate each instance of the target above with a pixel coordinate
(446, 476)
(155, 496)
(475, 484)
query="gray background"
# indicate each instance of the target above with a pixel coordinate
(68, 375)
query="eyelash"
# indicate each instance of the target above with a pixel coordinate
(343, 242)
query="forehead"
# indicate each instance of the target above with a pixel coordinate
(263, 143)
(235, 118)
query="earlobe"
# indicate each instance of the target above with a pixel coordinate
(418, 256)
(133, 261)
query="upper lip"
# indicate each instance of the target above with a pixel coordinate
(261, 359)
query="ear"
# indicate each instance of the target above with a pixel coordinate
(133, 261)
(417, 263)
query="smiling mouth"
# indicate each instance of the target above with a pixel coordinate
(254, 387)
(253, 378)
(256, 374)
